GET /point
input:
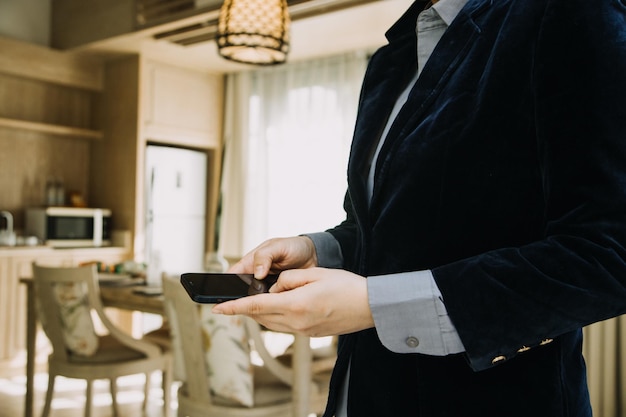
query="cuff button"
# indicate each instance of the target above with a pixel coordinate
(412, 342)
(498, 359)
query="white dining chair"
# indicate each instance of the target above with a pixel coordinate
(267, 388)
(66, 298)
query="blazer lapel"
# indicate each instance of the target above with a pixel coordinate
(449, 53)
(390, 69)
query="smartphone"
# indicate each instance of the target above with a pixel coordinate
(214, 288)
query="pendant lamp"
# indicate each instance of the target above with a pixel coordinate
(254, 31)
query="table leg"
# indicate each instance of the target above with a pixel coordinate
(31, 335)
(302, 375)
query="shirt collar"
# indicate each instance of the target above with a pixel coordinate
(448, 9)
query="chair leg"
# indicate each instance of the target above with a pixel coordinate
(181, 410)
(46, 407)
(146, 392)
(89, 398)
(113, 383)
(167, 391)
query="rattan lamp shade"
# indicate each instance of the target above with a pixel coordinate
(254, 31)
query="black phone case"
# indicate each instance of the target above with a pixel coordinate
(214, 288)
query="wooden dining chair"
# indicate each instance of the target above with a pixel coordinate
(66, 298)
(212, 353)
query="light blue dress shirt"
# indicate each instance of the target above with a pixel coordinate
(408, 310)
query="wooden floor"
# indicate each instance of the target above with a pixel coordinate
(69, 398)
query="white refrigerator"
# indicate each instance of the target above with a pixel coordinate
(176, 183)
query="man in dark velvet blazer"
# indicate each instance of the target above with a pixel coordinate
(500, 184)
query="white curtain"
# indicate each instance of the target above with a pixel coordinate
(604, 348)
(288, 131)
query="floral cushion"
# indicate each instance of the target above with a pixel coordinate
(227, 355)
(78, 328)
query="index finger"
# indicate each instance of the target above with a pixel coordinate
(258, 262)
(240, 267)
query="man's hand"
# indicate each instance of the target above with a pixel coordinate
(276, 255)
(313, 301)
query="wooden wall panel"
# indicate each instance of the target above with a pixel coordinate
(29, 159)
(45, 64)
(37, 101)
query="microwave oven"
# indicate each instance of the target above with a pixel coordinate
(69, 227)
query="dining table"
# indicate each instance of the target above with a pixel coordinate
(133, 298)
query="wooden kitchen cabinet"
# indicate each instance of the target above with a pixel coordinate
(6, 307)
(45, 91)
(152, 102)
(49, 116)
(182, 106)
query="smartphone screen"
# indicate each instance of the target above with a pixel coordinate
(214, 288)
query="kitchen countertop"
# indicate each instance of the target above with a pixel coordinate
(18, 247)
(17, 250)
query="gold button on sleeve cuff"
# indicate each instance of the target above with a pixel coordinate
(498, 359)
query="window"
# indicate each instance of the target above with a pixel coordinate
(293, 138)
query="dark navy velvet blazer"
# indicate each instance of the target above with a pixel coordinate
(505, 174)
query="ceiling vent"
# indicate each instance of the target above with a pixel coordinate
(200, 16)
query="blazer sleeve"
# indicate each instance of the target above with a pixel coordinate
(346, 235)
(506, 301)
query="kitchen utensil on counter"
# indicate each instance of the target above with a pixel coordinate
(27, 241)
(7, 236)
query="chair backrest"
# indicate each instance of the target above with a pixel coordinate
(212, 351)
(64, 305)
(188, 325)
(66, 297)
(189, 360)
